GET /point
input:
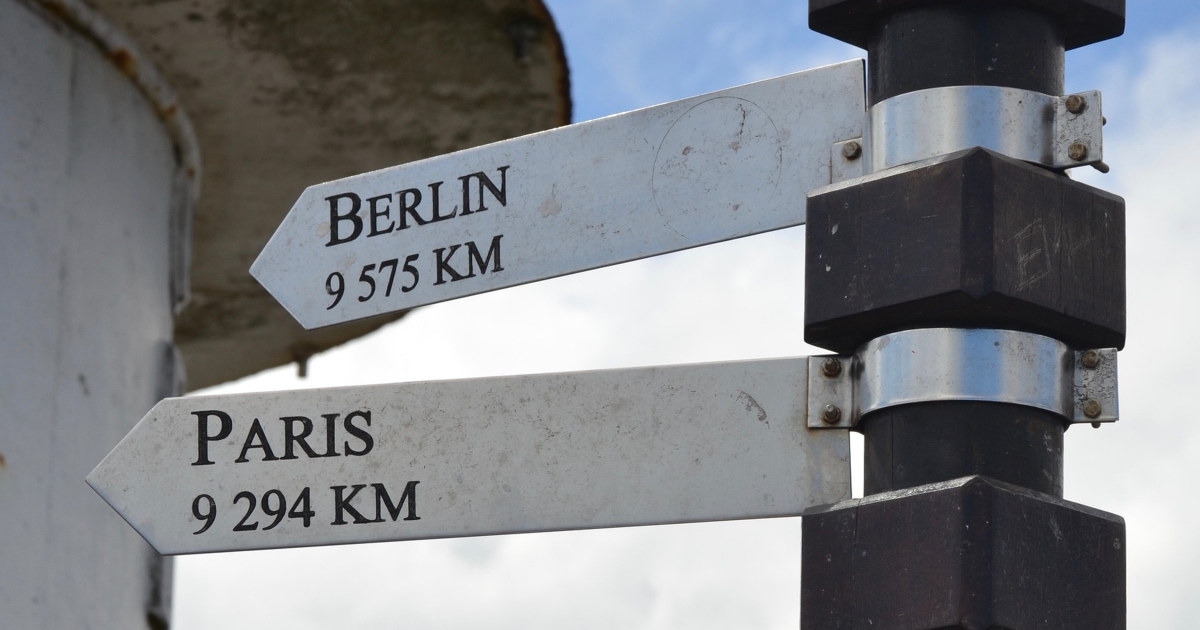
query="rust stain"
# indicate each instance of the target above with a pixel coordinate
(301, 353)
(125, 61)
(3, 462)
(58, 9)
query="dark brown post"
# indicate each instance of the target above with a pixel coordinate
(964, 525)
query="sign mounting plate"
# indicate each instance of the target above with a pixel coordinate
(652, 181)
(500, 455)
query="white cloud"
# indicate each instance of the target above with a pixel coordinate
(1142, 468)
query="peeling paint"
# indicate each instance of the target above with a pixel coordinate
(753, 407)
(550, 207)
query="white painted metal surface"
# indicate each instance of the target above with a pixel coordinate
(473, 457)
(648, 182)
(86, 176)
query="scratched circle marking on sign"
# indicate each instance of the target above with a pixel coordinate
(722, 157)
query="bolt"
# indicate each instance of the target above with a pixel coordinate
(1078, 151)
(851, 150)
(1091, 408)
(831, 368)
(1095, 425)
(1076, 104)
(831, 414)
(1090, 359)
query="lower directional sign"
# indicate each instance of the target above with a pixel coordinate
(473, 457)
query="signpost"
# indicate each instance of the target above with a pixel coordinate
(472, 457)
(652, 181)
(963, 464)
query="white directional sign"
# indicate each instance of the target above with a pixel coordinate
(473, 457)
(688, 173)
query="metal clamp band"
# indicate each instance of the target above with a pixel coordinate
(939, 364)
(1055, 131)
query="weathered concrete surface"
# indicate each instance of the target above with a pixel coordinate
(283, 95)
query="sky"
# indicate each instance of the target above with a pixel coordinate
(744, 300)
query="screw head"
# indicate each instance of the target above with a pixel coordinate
(831, 367)
(1078, 151)
(1091, 409)
(1090, 359)
(851, 150)
(831, 414)
(1076, 104)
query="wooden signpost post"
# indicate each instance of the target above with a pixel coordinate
(963, 524)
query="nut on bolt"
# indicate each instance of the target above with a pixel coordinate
(1091, 408)
(1078, 151)
(1090, 359)
(831, 367)
(1076, 104)
(851, 150)
(831, 414)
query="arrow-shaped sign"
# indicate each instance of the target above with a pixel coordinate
(688, 173)
(473, 457)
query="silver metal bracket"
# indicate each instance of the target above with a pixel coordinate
(1095, 386)
(1055, 131)
(941, 364)
(846, 160)
(830, 392)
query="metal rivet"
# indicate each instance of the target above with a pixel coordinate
(851, 150)
(1091, 409)
(1078, 151)
(831, 367)
(1076, 104)
(1090, 359)
(831, 414)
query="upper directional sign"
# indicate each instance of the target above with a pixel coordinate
(484, 456)
(648, 182)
